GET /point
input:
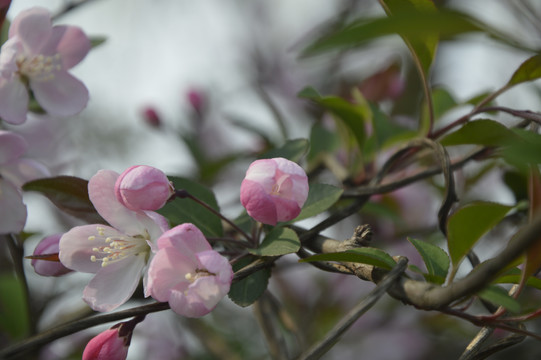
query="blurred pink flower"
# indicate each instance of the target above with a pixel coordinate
(151, 117)
(49, 245)
(274, 190)
(14, 172)
(117, 254)
(36, 57)
(143, 187)
(187, 273)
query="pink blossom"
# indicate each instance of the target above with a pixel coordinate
(117, 254)
(274, 190)
(112, 344)
(37, 57)
(187, 273)
(151, 117)
(143, 187)
(14, 172)
(49, 245)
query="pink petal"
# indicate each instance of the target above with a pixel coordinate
(102, 194)
(13, 100)
(76, 248)
(107, 345)
(49, 245)
(70, 42)
(186, 238)
(12, 146)
(64, 95)
(286, 209)
(257, 202)
(114, 284)
(33, 27)
(12, 208)
(217, 264)
(166, 271)
(24, 170)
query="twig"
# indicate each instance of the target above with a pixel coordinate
(319, 349)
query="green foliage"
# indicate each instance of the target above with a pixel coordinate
(466, 226)
(435, 259)
(514, 276)
(480, 132)
(181, 211)
(527, 71)
(96, 41)
(13, 312)
(69, 194)
(364, 255)
(244, 292)
(416, 25)
(498, 296)
(292, 150)
(320, 198)
(322, 141)
(353, 115)
(279, 241)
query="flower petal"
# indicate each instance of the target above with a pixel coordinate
(102, 194)
(70, 42)
(76, 247)
(12, 146)
(257, 202)
(13, 100)
(186, 238)
(114, 284)
(12, 208)
(33, 27)
(64, 95)
(166, 271)
(24, 170)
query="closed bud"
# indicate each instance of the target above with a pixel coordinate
(143, 187)
(50, 266)
(274, 190)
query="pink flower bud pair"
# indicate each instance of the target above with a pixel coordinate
(274, 190)
(143, 187)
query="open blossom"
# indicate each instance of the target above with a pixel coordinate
(274, 190)
(143, 187)
(187, 273)
(37, 57)
(48, 246)
(14, 172)
(117, 254)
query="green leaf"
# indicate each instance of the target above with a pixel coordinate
(435, 259)
(498, 296)
(443, 101)
(292, 150)
(322, 141)
(466, 226)
(69, 194)
(415, 25)
(424, 47)
(480, 132)
(385, 129)
(320, 198)
(352, 115)
(364, 255)
(96, 41)
(244, 292)
(527, 71)
(181, 211)
(523, 150)
(13, 312)
(280, 241)
(514, 276)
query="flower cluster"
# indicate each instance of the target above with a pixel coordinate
(182, 267)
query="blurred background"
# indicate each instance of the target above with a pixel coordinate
(177, 82)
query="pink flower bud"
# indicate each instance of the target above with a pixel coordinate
(107, 345)
(112, 344)
(274, 190)
(143, 187)
(151, 117)
(196, 100)
(49, 267)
